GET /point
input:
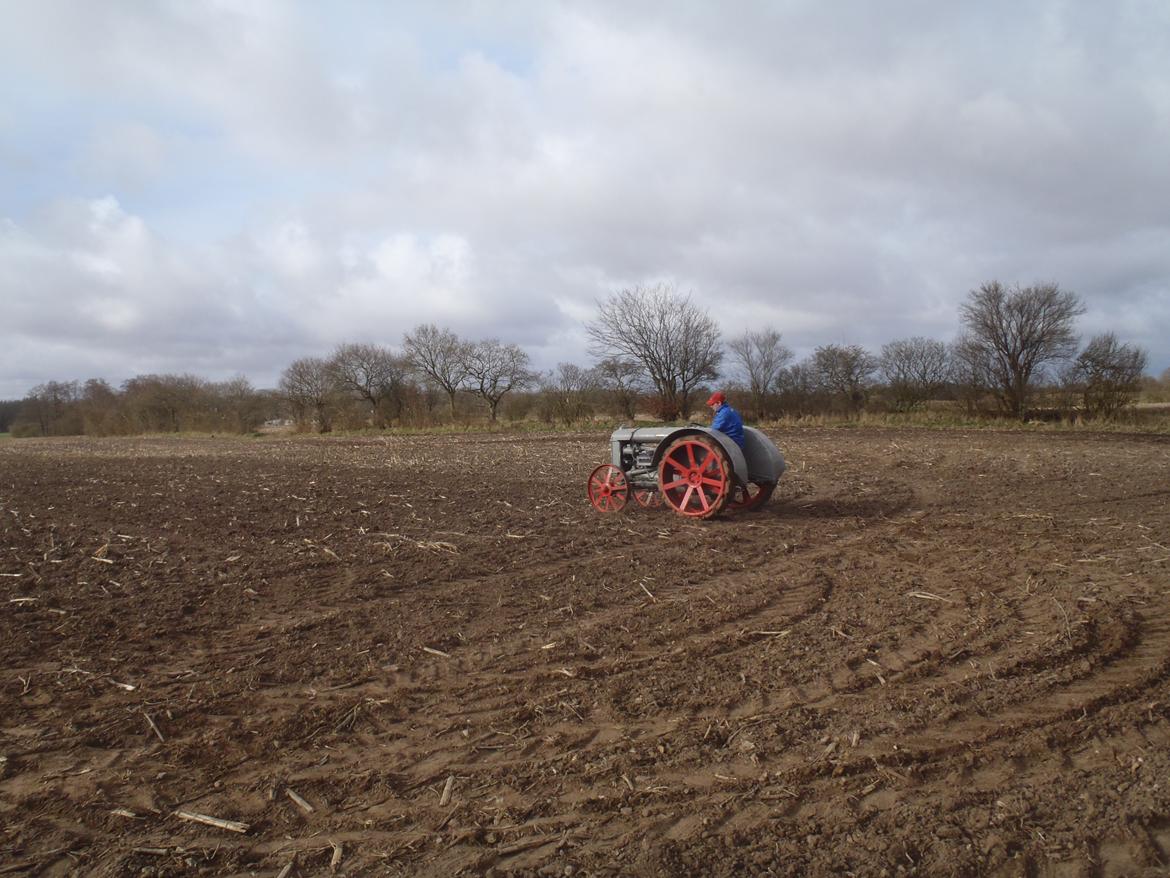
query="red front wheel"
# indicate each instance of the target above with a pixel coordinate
(608, 489)
(695, 477)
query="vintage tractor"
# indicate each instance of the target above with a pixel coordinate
(695, 470)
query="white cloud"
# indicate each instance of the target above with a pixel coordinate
(297, 177)
(290, 250)
(130, 154)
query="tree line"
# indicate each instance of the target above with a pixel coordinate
(144, 404)
(1012, 343)
(655, 352)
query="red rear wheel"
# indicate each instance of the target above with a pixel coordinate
(608, 489)
(695, 477)
(750, 496)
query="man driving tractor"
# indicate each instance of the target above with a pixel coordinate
(725, 419)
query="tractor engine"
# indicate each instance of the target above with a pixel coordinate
(638, 455)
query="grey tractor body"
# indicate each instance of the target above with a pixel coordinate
(637, 451)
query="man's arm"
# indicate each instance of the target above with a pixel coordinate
(722, 419)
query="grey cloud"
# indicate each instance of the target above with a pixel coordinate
(847, 172)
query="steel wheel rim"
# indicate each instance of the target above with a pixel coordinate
(693, 478)
(607, 488)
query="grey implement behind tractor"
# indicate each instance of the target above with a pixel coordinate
(695, 470)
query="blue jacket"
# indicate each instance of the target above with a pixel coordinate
(727, 420)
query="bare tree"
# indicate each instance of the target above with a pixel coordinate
(440, 355)
(761, 356)
(165, 403)
(495, 369)
(798, 387)
(238, 407)
(369, 372)
(971, 374)
(9, 410)
(915, 370)
(309, 386)
(566, 388)
(622, 380)
(1107, 375)
(102, 409)
(845, 371)
(50, 409)
(1017, 332)
(676, 342)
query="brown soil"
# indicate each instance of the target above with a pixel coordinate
(930, 653)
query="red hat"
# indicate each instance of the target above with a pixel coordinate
(717, 398)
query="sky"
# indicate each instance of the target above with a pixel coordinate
(222, 187)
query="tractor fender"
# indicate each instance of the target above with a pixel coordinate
(765, 462)
(734, 452)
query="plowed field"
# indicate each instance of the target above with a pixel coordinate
(931, 653)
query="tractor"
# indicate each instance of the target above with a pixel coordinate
(696, 471)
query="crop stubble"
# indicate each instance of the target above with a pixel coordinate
(931, 652)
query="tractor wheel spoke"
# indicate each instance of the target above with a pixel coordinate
(607, 488)
(703, 501)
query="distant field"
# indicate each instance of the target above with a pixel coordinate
(932, 652)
